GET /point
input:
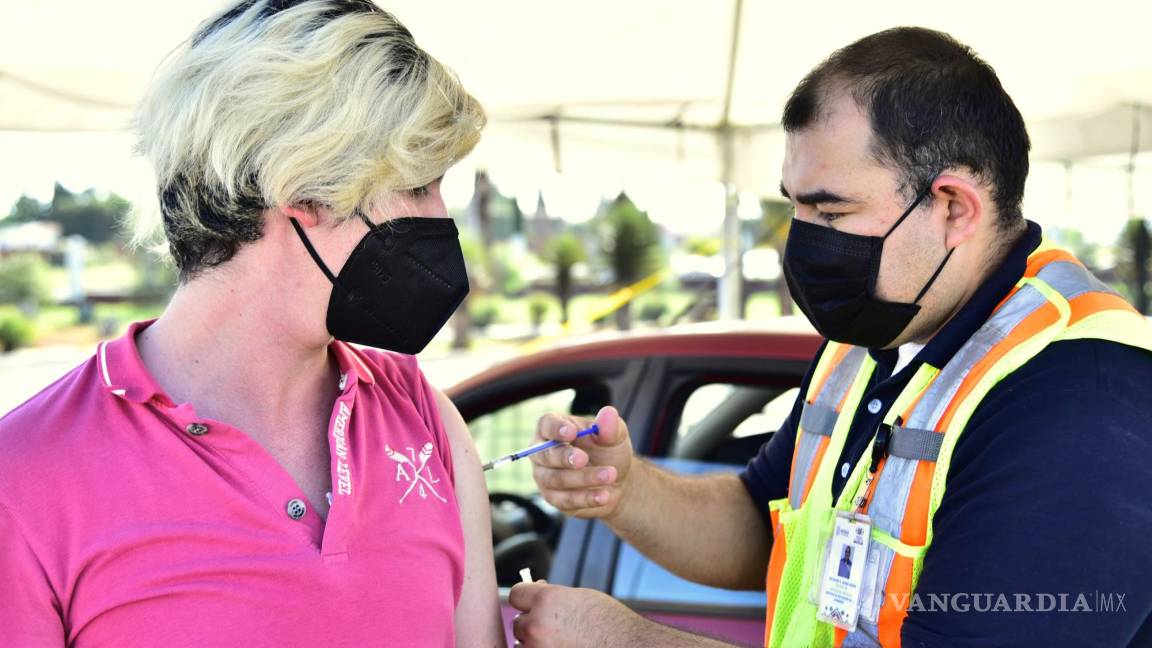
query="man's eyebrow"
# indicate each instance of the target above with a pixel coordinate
(817, 197)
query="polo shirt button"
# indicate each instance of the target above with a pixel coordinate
(296, 508)
(196, 429)
(874, 406)
(844, 470)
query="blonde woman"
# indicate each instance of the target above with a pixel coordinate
(235, 473)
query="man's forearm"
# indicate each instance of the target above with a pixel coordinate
(650, 633)
(705, 529)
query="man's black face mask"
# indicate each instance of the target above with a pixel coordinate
(400, 285)
(832, 276)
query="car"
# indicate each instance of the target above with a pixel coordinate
(698, 399)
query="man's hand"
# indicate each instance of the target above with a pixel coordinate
(588, 478)
(564, 617)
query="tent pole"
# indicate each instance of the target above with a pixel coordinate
(1133, 152)
(730, 303)
(729, 298)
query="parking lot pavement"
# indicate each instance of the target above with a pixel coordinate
(25, 372)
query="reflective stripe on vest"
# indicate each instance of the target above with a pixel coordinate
(817, 419)
(1057, 298)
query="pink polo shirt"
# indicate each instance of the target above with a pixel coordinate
(127, 521)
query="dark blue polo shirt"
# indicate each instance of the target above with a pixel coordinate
(1049, 492)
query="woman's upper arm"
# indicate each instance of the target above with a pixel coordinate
(478, 621)
(28, 609)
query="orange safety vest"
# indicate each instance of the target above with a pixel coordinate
(1056, 299)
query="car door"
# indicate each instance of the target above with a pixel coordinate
(693, 415)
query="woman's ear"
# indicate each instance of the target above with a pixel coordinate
(966, 207)
(306, 214)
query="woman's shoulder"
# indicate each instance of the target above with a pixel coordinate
(399, 375)
(387, 368)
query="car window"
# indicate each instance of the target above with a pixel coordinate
(708, 398)
(513, 428)
(770, 417)
(728, 423)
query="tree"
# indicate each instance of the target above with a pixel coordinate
(27, 209)
(1136, 247)
(775, 220)
(563, 253)
(481, 206)
(95, 218)
(629, 243)
(475, 260)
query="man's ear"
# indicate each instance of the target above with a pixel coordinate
(966, 205)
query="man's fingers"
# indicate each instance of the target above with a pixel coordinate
(523, 596)
(576, 500)
(564, 456)
(575, 479)
(518, 623)
(561, 479)
(555, 427)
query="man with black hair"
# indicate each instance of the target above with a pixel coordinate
(978, 417)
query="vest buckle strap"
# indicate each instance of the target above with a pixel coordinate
(915, 443)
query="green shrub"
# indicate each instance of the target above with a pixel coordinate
(538, 306)
(24, 280)
(483, 312)
(15, 331)
(652, 311)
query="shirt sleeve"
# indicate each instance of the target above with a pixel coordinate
(29, 611)
(1046, 510)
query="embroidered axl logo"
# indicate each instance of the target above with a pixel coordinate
(414, 470)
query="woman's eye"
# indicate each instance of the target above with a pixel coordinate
(827, 216)
(419, 192)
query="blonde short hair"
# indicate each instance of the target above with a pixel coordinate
(279, 102)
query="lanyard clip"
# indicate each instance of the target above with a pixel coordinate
(880, 445)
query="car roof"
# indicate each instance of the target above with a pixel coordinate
(785, 338)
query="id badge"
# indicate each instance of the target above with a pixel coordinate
(842, 581)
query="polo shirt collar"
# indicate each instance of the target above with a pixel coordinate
(122, 370)
(353, 367)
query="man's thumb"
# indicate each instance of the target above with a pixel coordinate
(613, 430)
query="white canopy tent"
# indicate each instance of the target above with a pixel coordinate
(689, 89)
